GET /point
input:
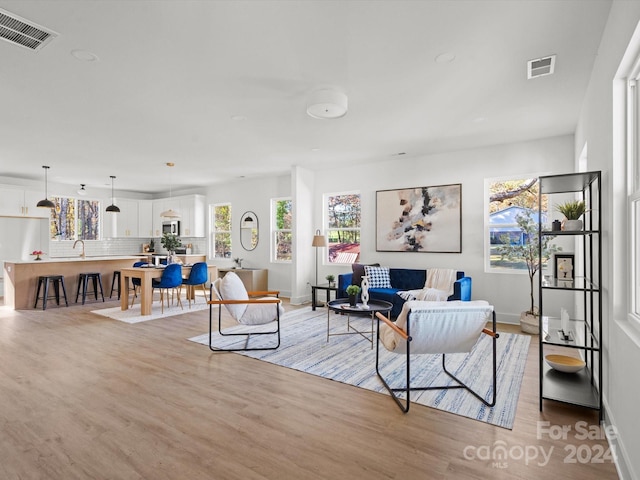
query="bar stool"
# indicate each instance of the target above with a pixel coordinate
(115, 283)
(57, 280)
(83, 282)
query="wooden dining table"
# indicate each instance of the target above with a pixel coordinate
(146, 276)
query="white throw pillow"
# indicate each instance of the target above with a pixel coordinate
(378, 276)
(259, 313)
(232, 288)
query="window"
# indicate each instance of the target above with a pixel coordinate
(509, 200)
(343, 227)
(633, 189)
(62, 224)
(221, 232)
(71, 219)
(89, 219)
(281, 216)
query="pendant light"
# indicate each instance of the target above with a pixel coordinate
(46, 203)
(112, 208)
(82, 191)
(170, 213)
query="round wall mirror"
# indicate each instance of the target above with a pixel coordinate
(249, 230)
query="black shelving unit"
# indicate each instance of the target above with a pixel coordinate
(583, 388)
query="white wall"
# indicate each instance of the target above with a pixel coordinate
(509, 293)
(253, 195)
(601, 126)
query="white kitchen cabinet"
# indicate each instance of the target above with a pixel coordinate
(145, 218)
(123, 224)
(18, 202)
(191, 210)
(192, 216)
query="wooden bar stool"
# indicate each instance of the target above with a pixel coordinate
(44, 280)
(83, 283)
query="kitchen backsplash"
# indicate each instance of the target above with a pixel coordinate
(117, 246)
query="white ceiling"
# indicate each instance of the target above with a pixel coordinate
(173, 76)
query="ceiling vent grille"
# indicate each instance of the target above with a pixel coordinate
(21, 32)
(541, 67)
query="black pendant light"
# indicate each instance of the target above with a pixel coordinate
(112, 208)
(46, 203)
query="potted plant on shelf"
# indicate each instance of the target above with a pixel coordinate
(528, 251)
(237, 262)
(331, 279)
(572, 211)
(152, 246)
(353, 291)
(170, 242)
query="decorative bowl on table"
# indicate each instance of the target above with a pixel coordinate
(564, 363)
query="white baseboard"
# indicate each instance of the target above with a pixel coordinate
(621, 457)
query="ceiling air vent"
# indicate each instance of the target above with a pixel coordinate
(21, 32)
(541, 67)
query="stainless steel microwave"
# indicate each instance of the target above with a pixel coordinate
(172, 226)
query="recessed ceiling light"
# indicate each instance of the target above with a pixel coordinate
(84, 55)
(315, 149)
(238, 118)
(480, 119)
(446, 57)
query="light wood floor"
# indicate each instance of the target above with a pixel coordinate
(86, 397)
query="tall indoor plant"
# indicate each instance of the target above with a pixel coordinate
(529, 251)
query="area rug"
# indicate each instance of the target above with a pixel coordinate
(350, 359)
(132, 315)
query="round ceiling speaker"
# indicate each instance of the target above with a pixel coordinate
(326, 104)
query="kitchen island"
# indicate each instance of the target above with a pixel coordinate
(21, 277)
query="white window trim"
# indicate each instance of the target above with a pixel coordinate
(633, 190)
(275, 230)
(213, 231)
(326, 229)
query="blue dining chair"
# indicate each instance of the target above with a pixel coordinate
(199, 275)
(136, 282)
(171, 278)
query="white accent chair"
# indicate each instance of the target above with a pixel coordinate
(425, 327)
(231, 292)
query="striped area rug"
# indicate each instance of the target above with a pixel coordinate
(350, 359)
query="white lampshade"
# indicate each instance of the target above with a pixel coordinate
(327, 104)
(170, 214)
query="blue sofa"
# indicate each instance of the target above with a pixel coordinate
(405, 279)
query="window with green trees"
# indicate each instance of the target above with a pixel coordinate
(221, 231)
(508, 200)
(343, 227)
(281, 217)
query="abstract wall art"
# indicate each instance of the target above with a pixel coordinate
(420, 219)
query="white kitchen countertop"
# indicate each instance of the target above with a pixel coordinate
(78, 258)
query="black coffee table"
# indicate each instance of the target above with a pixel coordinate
(341, 305)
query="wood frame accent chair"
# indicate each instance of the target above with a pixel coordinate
(425, 327)
(245, 309)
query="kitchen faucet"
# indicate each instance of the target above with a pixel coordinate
(82, 242)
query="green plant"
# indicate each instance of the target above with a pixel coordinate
(152, 244)
(238, 262)
(528, 251)
(330, 278)
(170, 242)
(352, 290)
(571, 210)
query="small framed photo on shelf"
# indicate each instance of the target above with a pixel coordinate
(564, 264)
